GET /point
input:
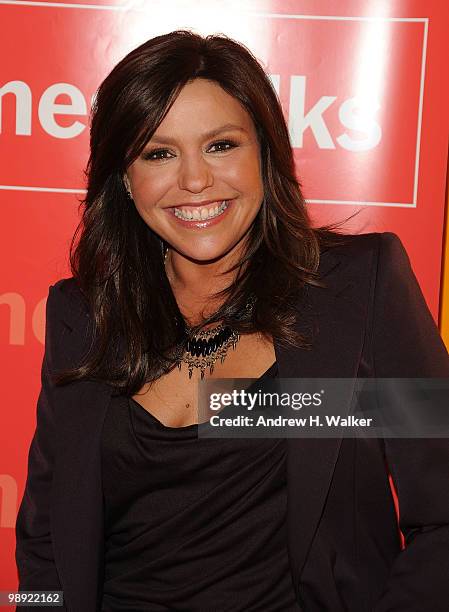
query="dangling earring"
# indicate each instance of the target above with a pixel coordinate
(128, 188)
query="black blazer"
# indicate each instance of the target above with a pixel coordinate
(343, 541)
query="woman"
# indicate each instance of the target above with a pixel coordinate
(196, 258)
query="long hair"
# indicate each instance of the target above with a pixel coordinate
(118, 261)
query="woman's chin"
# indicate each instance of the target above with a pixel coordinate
(208, 255)
(206, 258)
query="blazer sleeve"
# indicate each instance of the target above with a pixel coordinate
(34, 549)
(407, 344)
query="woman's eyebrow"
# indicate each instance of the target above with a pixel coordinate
(223, 128)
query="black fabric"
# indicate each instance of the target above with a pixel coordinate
(192, 524)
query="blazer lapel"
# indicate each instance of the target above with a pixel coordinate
(77, 503)
(77, 500)
(340, 317)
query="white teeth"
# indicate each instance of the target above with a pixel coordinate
(201, 214)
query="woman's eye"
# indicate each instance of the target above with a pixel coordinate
(225, 145)
(157, 154)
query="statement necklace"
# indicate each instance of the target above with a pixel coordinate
(204, 348)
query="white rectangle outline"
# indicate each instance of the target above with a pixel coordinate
(129, 7)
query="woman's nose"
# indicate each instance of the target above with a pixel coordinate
(195, 174)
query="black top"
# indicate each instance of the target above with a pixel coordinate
(192, 524)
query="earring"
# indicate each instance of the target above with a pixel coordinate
(164, 250)
(127, 188)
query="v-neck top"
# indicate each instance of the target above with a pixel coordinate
(192, 524)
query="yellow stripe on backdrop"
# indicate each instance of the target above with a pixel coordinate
(444, 303)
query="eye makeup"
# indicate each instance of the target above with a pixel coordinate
(160, 154)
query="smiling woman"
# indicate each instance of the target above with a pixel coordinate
(201, 169)
(196, 257)
(194, 222)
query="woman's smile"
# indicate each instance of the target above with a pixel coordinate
(201, 217)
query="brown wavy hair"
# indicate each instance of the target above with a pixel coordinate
(118, 261)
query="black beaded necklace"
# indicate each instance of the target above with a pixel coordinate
(204, 348)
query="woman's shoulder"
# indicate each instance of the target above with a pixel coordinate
(357, 250)
(67, 286)
(353, 243)
(66, 300)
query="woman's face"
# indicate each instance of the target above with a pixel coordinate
(202, 160)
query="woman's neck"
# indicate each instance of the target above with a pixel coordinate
(194, 283)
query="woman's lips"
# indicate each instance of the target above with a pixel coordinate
(201, 223)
